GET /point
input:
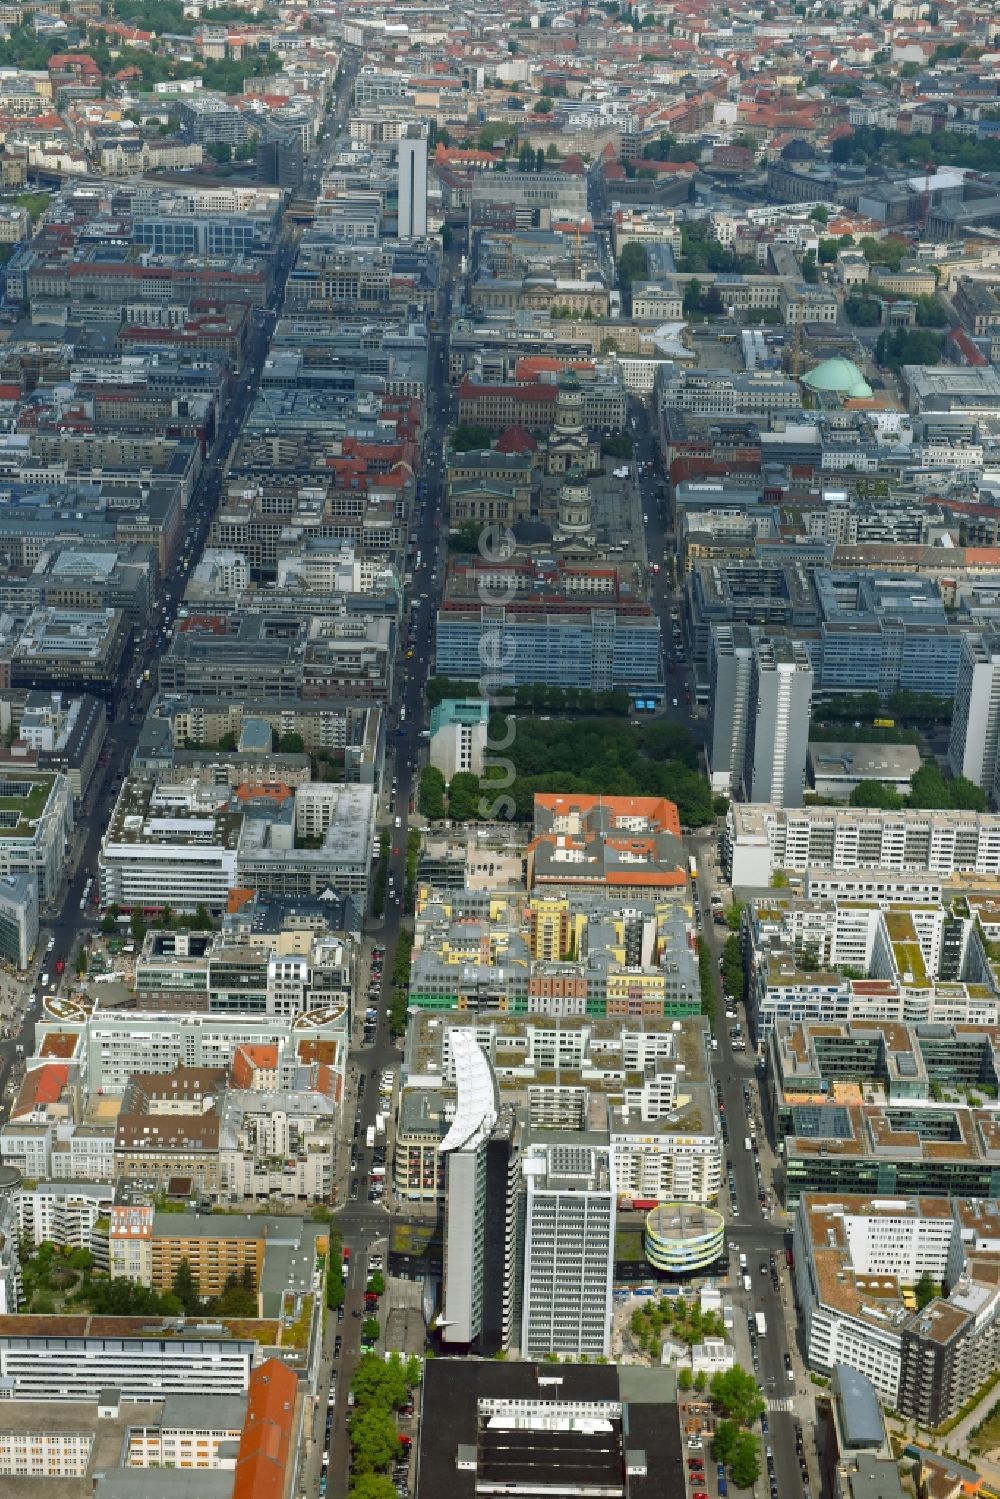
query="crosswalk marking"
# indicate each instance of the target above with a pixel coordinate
(781, 1404)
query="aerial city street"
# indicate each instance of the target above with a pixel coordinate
(500, 697)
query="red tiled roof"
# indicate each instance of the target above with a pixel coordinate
(516, 440)
(41, 1086)
(265, 1442)
(530, 366)
(533, 391)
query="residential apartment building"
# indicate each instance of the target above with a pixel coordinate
(474, 950)
(249, 1248)
(63, 1213)
(110, 1047)
(857, 1262)
(869, 843)
(277, 1145)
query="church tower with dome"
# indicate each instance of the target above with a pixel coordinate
(568, 446)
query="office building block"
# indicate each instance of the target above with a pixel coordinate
(413, 184)
(569, 1241)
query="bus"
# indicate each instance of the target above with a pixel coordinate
(693, 869)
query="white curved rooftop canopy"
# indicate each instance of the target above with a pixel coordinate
(476, 1104)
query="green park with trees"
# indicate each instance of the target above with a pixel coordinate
(596, 756)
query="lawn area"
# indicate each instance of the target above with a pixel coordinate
(297, 1335)
(28, 808)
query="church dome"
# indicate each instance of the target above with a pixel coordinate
(840, 377)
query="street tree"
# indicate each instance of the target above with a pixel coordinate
(372, 1486)
(374, 1440)
(737, 1395)
(744, 1465)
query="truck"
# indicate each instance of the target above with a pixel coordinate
(761, 1322)
(746, 1143)
(370, 1136)
(747, 1283)
(380, 1124)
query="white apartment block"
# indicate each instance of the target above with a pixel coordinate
(277, 1145)
(856, 1263)
(44, 1146)
(761, 839)
(62, 1213)
(28, 1146)
(86, 1153)
(667, 1167)
(841, 1001)
(911, 963)
(113, 1047)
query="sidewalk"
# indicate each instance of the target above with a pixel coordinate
(959, 1436)
(957, 1440)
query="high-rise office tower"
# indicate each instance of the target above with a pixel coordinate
(569, 1241)
(464, 1151)
(777, 731)
(503, 1235)
(730, 654)
(412, 184)
(974, 746)
(482, 1229)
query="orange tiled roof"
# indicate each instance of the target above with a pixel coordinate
(41, 1086)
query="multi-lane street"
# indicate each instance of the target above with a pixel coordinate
(361, 1223)
(757, 1235)
(71, 917)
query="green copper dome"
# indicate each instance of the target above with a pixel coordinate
(841, 376)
